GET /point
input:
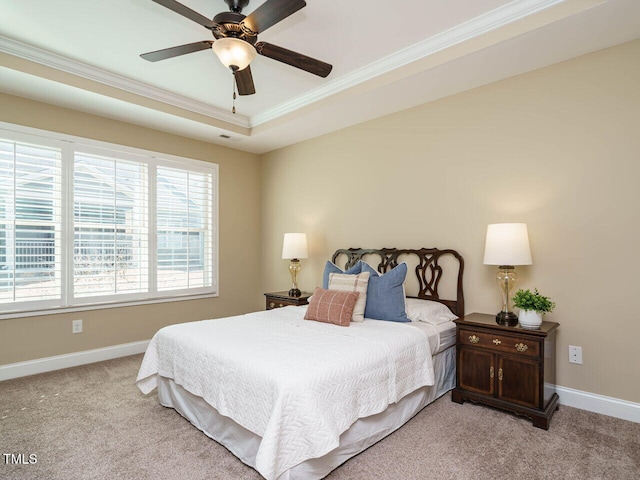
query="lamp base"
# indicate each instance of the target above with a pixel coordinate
(508, 319)
(294, 292)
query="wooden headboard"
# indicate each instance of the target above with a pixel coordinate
(428, 269)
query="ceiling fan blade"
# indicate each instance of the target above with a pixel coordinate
(294, 59)
(244, 81)
(270, 13)
(186, 12)
(176, 51)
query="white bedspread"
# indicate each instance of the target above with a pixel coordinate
(296, 383)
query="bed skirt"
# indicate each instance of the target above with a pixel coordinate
(360, 436)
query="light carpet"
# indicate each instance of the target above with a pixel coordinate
(92, 422)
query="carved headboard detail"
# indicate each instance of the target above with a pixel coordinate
(428, 269)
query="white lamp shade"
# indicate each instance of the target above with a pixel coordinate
(294, 245)
(234, 52)
(507, 244)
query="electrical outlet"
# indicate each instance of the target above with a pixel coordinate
(76, 326)
(575, 354)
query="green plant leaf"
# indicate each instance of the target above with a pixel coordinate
(528, 300)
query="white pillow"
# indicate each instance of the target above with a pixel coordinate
(419, 310)
(352, 283)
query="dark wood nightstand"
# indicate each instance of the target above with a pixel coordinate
(511, 368)
(283, 299)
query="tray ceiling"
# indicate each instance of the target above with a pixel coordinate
(84, 55)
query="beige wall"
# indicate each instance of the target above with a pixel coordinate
(239, 224)
(557, 148)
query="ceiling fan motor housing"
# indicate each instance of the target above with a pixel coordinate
(228, 24)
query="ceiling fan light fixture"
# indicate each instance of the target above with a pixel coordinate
(234, 52)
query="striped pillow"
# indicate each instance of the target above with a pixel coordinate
(352, 283)
(331, 306)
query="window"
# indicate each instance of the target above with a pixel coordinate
(110, 226)
(30, 223)
(184, 226)
(83, 223)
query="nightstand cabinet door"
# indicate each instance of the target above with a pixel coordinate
(519, 381)
(476, 371)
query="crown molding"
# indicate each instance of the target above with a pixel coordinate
(73, 67)
(490, 21)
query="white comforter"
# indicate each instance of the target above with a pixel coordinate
(296, 383)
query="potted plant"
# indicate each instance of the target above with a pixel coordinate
(532, 306)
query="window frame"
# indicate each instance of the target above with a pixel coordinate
(69, 145)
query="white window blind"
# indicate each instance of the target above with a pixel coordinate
(184, 212)
(110, 251)
(30, 222)
(87, 223)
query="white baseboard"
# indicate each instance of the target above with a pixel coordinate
(48, 364)
(593, 402)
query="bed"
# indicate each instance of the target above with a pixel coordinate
(295, 398)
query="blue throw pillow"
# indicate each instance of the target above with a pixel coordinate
(385, 294)
(332, 268)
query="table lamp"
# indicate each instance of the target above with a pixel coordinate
(507, 244)
(294, 247)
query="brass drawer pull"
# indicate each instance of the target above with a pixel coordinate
(496, 341)
(474, 339)
(521, 347)
(500, 374)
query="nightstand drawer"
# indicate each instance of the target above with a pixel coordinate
(283, 299)
(500, 343)
(271, 303)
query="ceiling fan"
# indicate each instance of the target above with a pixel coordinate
(236, 38)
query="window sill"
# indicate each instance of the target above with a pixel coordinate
(101, 306)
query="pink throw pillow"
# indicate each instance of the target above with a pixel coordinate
(331, 306)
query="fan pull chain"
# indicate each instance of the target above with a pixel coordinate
(233, 110)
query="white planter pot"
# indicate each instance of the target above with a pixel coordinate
(530, 319)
